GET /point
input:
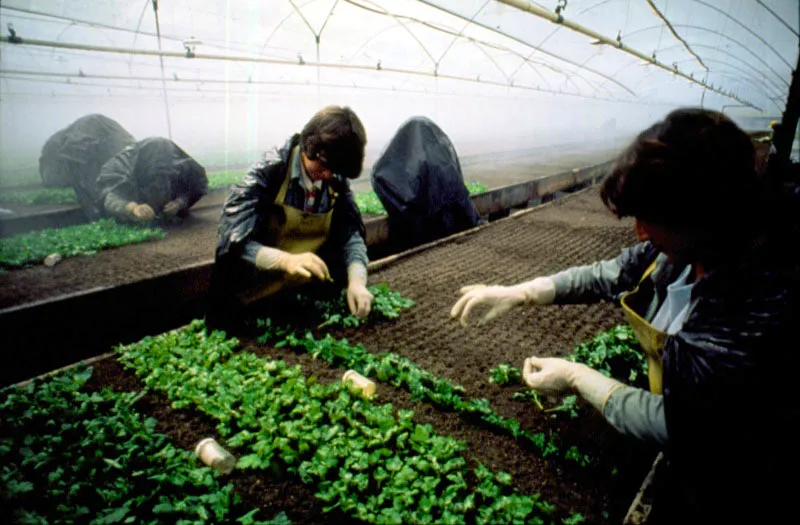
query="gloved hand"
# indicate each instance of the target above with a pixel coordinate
(501, 299)
(173, 207)
(359, 299)
(552, 375)
(299, 267)
(140, 212)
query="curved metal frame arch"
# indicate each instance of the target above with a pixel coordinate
(767, 80)
(723, 35)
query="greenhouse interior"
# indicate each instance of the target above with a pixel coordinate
(398, 261)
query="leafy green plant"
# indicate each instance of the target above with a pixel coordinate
(574, 519)
(85, 239)
(529, 396)
(569, 406)
(505, 374)
(614, 353)
(70, 455)
(223, 179)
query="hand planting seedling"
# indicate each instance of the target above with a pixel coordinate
(386, 304)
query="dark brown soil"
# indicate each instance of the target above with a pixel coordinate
(574, 230)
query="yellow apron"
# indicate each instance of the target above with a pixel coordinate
(650, 339)
(291, 230)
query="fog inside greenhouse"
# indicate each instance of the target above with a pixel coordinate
(506, 81)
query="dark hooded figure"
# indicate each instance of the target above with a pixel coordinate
(149, 179)
(419, 181)
(74, 156)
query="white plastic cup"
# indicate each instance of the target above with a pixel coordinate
(364, 385)
(53, 259)
(212, 454)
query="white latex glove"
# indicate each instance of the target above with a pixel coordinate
(140, 212)
(552, 375)
(297, 267)
(359, 299)
(501, 299)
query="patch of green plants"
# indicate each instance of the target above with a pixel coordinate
(85, 239)
(386, 304)
(223, 179)
(474, 187)
(70, 455)
(39, 196)
(614, 353)
(403, 373)
(368, 202)
(370, 461)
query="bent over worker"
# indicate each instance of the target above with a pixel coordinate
(712, 294)
(152, 179)
(293, 219)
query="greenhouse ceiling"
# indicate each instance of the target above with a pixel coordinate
(663, 51)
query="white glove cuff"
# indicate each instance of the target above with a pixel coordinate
(357, 273)
(269, 258)
(540, 291)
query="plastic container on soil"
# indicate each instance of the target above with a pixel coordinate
(361, 383)
(53, 259)
(212, 454)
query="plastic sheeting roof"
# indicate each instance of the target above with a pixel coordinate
(748, 47)
(744, 49)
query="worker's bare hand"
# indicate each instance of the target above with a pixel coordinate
(359, 300)
(141, 212)
(498, 299)
(171, 208)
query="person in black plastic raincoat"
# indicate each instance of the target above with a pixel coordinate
(74, 155)
(712, 295)
(419, 181)
(293, 219)
(153, 178)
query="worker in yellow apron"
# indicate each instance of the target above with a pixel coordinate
(716, 312)
(293, 219)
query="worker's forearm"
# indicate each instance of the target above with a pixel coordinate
(116, 206)
(355, 250)
(638, 413)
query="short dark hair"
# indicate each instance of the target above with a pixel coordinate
(337, 135)
(693, 170)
